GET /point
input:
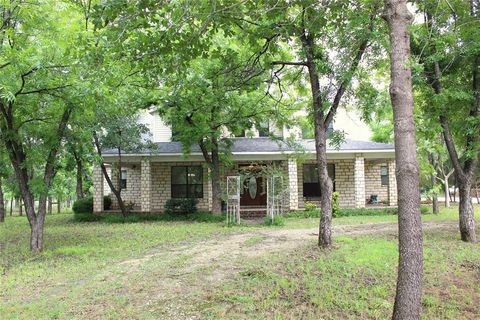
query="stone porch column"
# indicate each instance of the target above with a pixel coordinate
(392, 183)
(146, 185)
(293, 184)
(97, 189)
(359, 180)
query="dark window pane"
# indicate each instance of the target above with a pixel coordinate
(195, 191)
(311, 189)
(310, 174)
(311, 186)
(263, 129)
(195, 175)
(179, 191)
(179, 175)
(384, 175)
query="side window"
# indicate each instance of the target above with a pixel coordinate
(384, 175)
(263, 129)
(123, 179)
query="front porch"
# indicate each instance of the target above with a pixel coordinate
(148, 183)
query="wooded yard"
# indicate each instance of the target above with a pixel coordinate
(179, 270)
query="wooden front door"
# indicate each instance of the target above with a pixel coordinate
(254, 192)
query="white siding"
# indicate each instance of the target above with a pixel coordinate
(159, 130)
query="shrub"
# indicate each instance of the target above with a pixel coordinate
(84, 205)
(181, 206)
(335, 206)
(303, 214)
(86, 217)
(107, 203)
(424, 210)
(310, 206)
(276, 221)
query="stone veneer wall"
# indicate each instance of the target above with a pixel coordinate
(344, 183)
(373, 181)
(161, 185)
(133, 192)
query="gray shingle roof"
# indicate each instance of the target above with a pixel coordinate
(246, 145)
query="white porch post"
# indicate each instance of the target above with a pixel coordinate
(97, 189)
(293, 184)
(392, 183)
(359, 178)
(146, 185)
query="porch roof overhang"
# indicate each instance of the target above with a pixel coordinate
(256, 149)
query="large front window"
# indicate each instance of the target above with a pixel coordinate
(311, 186)
(187, 182)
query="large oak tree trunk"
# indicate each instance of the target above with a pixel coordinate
(410, 268)
(326, 187)
(466, 220)
(2, 203)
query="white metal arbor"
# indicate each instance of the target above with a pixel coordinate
(276, 196)
(233, 199)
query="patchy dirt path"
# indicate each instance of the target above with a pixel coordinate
(171, 281)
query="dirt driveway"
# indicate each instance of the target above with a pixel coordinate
(169, 281)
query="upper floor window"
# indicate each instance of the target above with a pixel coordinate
(187, 182)
(311, 185)
(263, 129)
(384, 175)
(241, 134)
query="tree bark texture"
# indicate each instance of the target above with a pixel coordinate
(79, 187)
(2, 203)
(433, 179)
(410, 268)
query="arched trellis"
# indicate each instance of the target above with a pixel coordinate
(233, 199)
(277, 194)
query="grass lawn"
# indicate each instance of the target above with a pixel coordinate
(178, 270)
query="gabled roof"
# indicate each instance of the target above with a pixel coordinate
(264, 145)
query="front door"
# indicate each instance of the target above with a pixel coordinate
(254, 192)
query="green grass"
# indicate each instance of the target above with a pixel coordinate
(354, 280)
(81, 271)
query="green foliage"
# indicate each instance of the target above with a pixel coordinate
(350, 212)
(206, 217)
(83, 205)
(181, 206)
(277, 221)
(335, 205)
(310, 206)
(315, 213)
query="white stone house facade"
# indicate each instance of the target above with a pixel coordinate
(361, 171)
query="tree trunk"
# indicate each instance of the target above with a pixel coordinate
(59, 205)
(116, 192)
(447, 193)
(50, 205)
(215, 176)
(465, 211)
(20, 207)
(410, 268)
(433, 179)
(326, 187)
(11, 206)
(36, 234)
(2, 203)
(79, 188)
